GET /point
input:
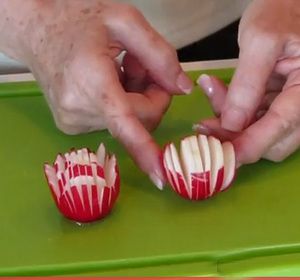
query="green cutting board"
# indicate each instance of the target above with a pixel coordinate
(252, 229)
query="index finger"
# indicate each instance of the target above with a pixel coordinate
(124, 125)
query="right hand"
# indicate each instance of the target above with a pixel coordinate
(71, 46)
(260, 112)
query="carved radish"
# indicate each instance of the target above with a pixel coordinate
(84, 185)
(202, 168)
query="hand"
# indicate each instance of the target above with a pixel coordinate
(262, 106)
(71, 47)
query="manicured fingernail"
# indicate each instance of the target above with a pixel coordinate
(234, 119)
(198, 127)
(205, 82)
(157, 181)
(184, 83)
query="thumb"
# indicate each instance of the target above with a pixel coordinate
(257, 59)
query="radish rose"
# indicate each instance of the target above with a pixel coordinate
(84, 185)
(203, 167)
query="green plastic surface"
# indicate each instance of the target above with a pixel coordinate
(244, 231)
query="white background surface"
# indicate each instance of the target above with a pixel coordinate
(181, 22)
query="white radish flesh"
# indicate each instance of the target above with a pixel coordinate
(229, 164)
(169, 167)
(101, 154)
(178, 175)
(217, 163)
(206, 161)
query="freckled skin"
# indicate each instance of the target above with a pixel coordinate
(86, 11)
(71, 48)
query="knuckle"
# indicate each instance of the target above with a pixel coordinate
(67, 103)
(67, 129)
(116, 127)
(253, 87)
(168, 53)
(275, 154)
(129, 12)
(248, 155)
(275, 158)
(167, 56)
(259, 36)
(285, 122)
(65, 121)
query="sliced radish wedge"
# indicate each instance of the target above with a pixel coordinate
(202, 168)
(192, 165)
(84, 185)
(217, 164)
(179, 178)
(205, 156)
(229, 165)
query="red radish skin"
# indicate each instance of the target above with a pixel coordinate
(207, 186)
(166, 170)
(199, 183)
(220, 178)
(182, 187)
(179, 185)
(75, 186)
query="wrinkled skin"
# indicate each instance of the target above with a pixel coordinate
(260, 110)
(71, 46)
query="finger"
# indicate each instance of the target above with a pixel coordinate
(135, 74)
(213, 127)
(130, 132)
(215, 90)
(258, 56)
(150, 106)
(284, 148)
(281, 119)
(129, 27)
(286, 66)
(291, 60)
(103, 84)
(288, 143)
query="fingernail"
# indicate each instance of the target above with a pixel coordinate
(184, 83)
(157, 181)
(234, 119)
(202, 129)
(205, 82)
